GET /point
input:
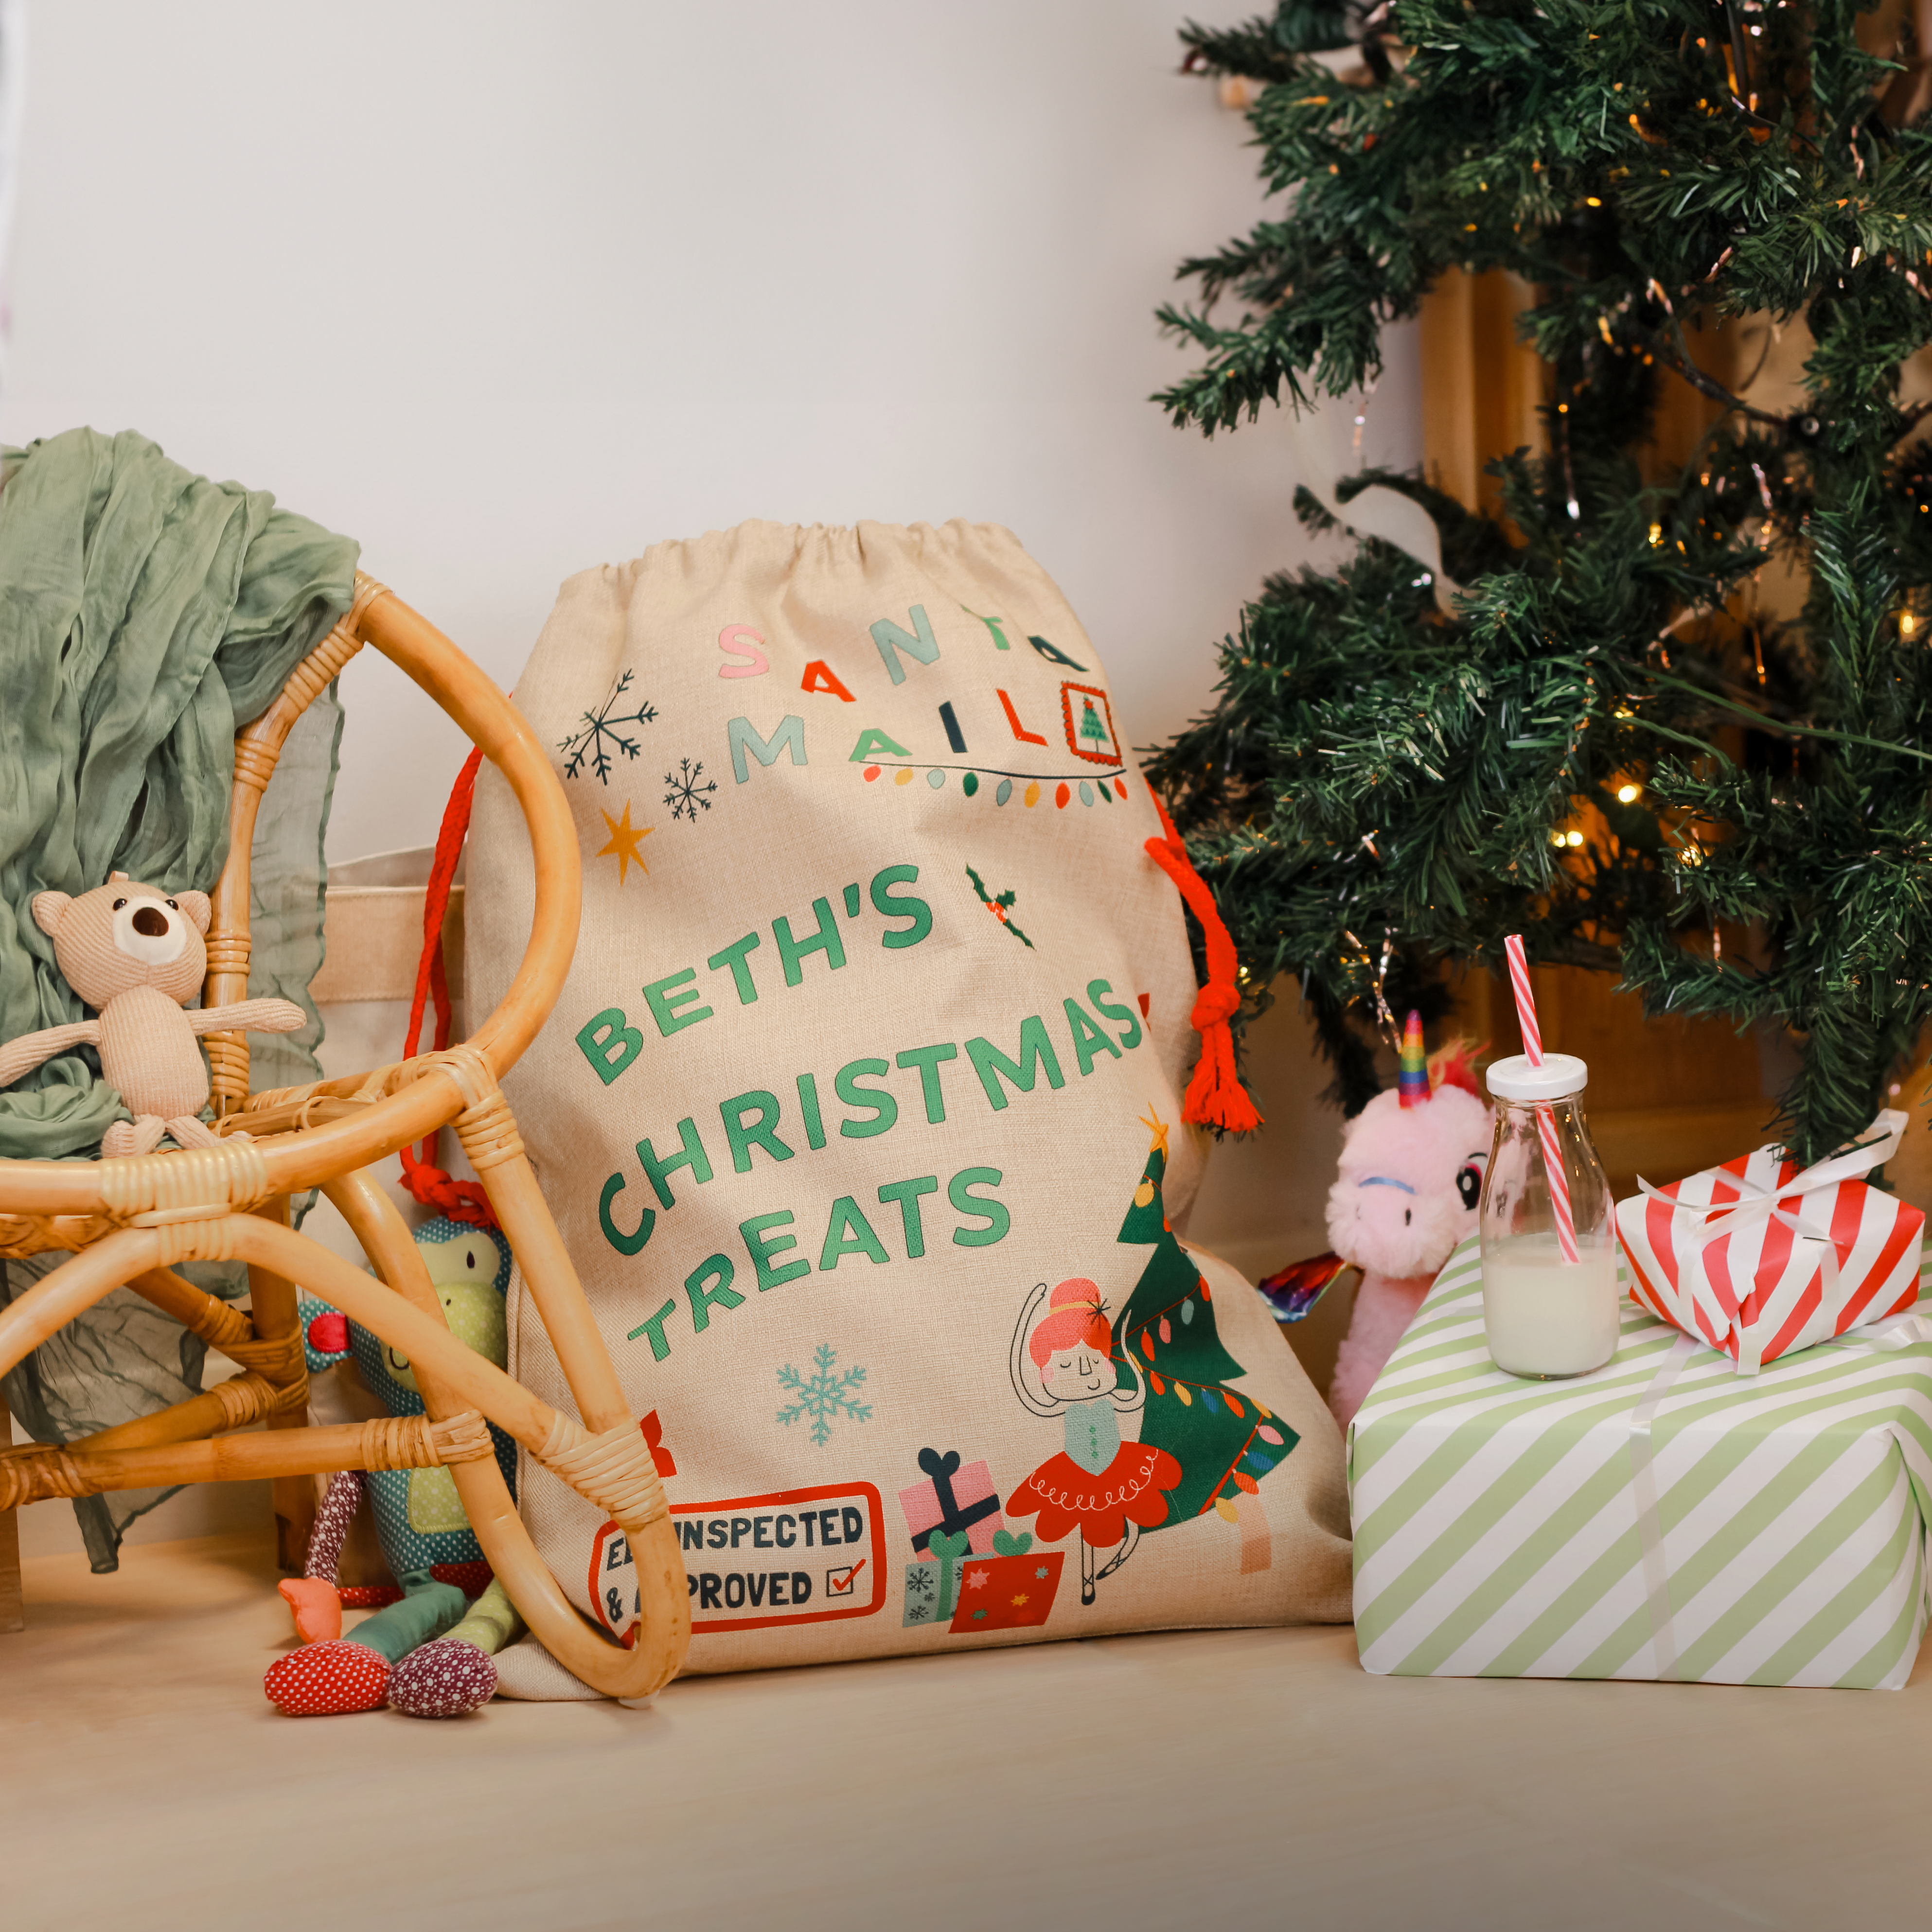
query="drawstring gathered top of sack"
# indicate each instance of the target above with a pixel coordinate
(1215, 1097)
(461, 1200)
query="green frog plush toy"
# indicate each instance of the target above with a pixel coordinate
(428, 1653)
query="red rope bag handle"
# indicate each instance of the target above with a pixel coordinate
(461, 1200)
(1216, 1096)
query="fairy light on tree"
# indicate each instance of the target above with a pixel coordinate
(1648, 170)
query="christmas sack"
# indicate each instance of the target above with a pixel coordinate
(862, 1115)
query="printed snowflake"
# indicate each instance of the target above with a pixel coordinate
(687, 793)
(823, 1395)
(600, 735)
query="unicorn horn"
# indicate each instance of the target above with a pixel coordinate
(1412, 1083)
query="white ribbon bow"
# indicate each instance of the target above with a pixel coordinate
(1756, 1204)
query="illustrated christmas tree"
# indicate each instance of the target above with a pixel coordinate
(1657, 700)
(1225, 1441)
(1091, 728)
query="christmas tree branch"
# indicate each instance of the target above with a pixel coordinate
(1372, 766)
(1677, 356)
(1766, 721)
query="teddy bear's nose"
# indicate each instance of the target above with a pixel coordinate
(151, 923)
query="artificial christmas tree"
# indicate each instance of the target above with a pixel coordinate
(1656, 707)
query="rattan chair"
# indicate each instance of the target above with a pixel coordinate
(127, 1221)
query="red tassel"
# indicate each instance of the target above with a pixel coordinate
(1216, 1096)
(460, 1200)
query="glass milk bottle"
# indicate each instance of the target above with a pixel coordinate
(1546, 1316)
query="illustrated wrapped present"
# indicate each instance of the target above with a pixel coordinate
(1010, 1590)
(1759, 1258)
(1662, 1518)
(952, 1499)
(932, 1586)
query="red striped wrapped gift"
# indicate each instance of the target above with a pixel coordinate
(1760, 1257)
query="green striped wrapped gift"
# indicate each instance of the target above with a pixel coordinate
(1663, 1518)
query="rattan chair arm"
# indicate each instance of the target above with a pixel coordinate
(384, 1442)
(258, 748)
(236, 1403)
(70, 1290)
(288, 1163)
(220, 1324)
(662, 1634)
(73, 1288)
(492, 722)
(290, 1117)
(282, 1165)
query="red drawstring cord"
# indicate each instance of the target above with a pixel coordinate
(461, 1200)
(1215, 1097)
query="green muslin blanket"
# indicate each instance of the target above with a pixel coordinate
(145, 614)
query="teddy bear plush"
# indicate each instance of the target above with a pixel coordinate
(135, 954)
(428, 1654)
(1409, 1184)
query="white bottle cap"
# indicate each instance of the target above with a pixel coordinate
(1560, 1074)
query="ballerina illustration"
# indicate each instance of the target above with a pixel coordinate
(1105, 1490)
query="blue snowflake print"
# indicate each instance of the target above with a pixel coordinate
(823, 1395)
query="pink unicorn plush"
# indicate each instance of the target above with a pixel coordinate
(1411, 1176)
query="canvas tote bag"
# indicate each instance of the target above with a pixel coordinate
(861, 1115)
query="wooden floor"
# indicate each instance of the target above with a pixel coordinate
(1229, 1778)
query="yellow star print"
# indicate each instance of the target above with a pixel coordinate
(625, 839)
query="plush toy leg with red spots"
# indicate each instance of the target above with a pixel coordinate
(424, 1654)
(326, 1679)
(332, 1675)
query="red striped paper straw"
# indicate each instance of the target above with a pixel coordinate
(1546, 1120)
(1519, 984)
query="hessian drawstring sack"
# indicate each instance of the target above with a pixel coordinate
(871, 1115)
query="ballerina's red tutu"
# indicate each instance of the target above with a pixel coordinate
(1097, 1484)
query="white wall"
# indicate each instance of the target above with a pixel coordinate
(506, 291)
